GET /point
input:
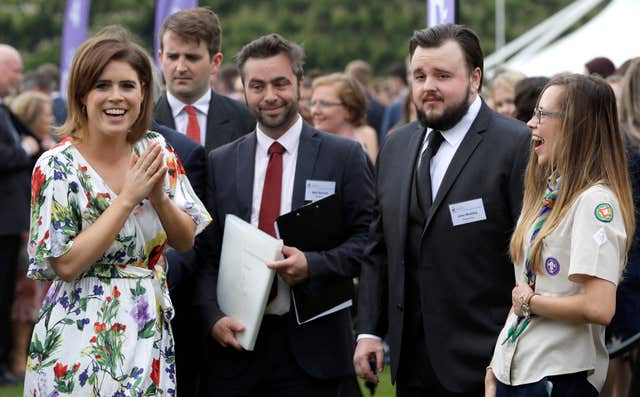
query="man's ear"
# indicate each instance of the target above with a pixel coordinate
(476, 76)
(216, 61)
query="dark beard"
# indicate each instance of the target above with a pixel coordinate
(287, 120)
(289, 116)
(451, 116)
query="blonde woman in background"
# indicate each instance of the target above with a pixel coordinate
(339, 106)
(35, 110)
(503, 92)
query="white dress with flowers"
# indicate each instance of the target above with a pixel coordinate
(107, 333)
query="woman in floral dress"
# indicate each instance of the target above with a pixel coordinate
(105, 201)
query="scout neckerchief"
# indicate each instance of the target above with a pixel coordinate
(548, 200)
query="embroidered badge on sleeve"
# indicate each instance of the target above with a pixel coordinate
(604, 212)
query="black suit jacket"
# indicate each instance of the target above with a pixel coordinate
(191, 155)
(227, 120)
(464, 272)
(323, 347)
(15, 178)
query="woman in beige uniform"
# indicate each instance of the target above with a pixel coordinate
(569, 247)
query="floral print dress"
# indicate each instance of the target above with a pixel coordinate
(108, 332)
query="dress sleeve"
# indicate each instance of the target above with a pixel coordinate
(598, 242)
(179, 189)
(55, 215)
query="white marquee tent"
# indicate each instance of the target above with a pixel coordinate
(613, 33)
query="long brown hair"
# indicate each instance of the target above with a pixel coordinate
(589, 150)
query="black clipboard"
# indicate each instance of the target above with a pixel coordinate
(317, 226)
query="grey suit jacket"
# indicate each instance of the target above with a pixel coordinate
(464, 272)
(227, 120)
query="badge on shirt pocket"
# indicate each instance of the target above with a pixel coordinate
(553, 277)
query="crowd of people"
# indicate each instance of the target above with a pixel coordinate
(489, 223)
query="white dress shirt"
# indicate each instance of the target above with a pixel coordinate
(452, 139)
(289, 140)
(181, 118)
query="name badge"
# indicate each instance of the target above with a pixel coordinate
(467, 212)
(316, 190)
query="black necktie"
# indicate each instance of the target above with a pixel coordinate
(423, 180)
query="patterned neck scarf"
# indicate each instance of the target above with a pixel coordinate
(549, 198)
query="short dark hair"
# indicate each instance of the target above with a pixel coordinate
(527, 92)
(269, 46)
(199, 24)
(437, 35)
(34, 80)
(601, 66)
(227, 75)
(52, 72)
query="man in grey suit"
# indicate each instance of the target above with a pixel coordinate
(190, 55)
(437, 278)
(274, 170)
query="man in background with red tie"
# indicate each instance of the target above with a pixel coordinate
(259, 177)
(190, 54)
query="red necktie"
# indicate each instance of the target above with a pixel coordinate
(193, 128)
(271, 193)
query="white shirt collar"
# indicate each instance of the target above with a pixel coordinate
(454, 135)
(289, 139)
(202, 104)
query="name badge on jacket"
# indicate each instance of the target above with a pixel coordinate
(316, 190)
(467, 212)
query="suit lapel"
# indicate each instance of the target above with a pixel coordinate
(468, 145)
(245, 160)
(405, 173)
(217, 132)
(163, 113)
(307, 156)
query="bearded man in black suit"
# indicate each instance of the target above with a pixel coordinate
(437, 276)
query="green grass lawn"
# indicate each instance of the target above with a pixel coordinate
(384, 389)
(11, 391)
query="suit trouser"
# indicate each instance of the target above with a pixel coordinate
(560, 385)
(416, 376)
(272, 370)
(189, 344)
(9, 253)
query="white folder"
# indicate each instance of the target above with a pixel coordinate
(244, 280)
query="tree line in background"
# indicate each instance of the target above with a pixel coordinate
(333, 32)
